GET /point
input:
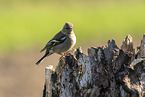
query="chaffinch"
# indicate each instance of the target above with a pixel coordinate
(61, 42)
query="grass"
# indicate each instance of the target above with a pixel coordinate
(25, 25)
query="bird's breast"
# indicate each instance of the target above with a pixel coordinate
(73, 39)
(66, 45)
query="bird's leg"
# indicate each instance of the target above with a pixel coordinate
(62, 56)
(72, 51)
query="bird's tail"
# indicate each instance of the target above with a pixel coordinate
(41, 59)
(43, 49)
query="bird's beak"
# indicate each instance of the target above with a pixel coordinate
(71, 29)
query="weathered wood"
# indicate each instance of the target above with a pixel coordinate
(47, 92)
(105, 72)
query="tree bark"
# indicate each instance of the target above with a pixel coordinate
(106, 71)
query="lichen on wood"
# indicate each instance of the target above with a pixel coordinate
(106, 71)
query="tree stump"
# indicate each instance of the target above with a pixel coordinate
(106, 71)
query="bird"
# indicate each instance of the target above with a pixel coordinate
(62, 42)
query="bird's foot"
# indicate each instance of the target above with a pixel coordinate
(62, 57)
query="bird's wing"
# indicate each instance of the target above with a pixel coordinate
(57, 39)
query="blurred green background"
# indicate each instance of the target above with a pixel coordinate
(27, 25)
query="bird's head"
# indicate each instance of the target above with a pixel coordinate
(67, 28)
